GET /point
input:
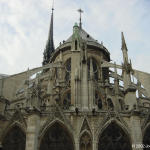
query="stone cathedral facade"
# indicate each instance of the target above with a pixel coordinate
(77, 100)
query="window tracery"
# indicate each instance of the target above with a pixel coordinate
(114, 138)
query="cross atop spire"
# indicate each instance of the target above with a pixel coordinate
(50, 43)
(80, 11)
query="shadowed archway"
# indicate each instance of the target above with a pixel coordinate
(56, 138)
(146, 138)
(114, 138)
(15, 139)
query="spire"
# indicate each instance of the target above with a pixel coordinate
(124, 46)
(50, 43)
(124, 49)
(80, 21)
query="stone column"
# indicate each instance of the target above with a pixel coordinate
(33, 125)
(75, 63)
(77, 144)
(136, 133)
(94, 145)
(84, 85)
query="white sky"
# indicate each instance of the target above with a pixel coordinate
(24, 26)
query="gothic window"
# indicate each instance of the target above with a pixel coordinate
(76, 44)
(67, 100)
(114, 138)
(85, 142)
(110, 104)
(121, 104)
(98, 100)
(56, 138)
(105, 74)
(146, 139)
(15, 139)
(68, 69)
(92, 63)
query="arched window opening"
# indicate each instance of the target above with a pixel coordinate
(98, 100)
(68, 70)
(110, 104)
(114, 138)
(146, 139)
(121, 104)
(56, 138)
(94, 68)
(76, 44)
(15, 139)
(85, 142)
(67, 100)
(105, 74)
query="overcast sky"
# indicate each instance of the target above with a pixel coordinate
(24, 26)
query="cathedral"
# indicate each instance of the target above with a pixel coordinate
(77, 100)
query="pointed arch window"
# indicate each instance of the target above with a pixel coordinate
(67, 100)
(56, 138)
(110, 104)
(98, 100)
(121, 104)
(68, 70)
(92, 63)
(76, 44)
(114, 138)
(15, 139)
(85, 142)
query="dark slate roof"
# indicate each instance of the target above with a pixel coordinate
(84, 35)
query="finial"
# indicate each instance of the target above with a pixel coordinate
(80, 11)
